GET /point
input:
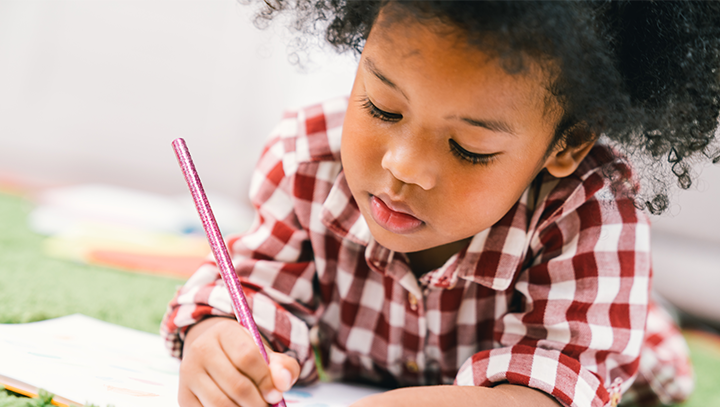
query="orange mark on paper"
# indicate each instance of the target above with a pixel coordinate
(147, 381)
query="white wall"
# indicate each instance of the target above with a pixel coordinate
(95, 90)
(686, 248)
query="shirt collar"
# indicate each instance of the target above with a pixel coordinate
(493, 257)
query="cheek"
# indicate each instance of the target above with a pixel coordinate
(480, 200)
(473, 196)
(361, 149)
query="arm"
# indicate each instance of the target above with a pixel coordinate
(504, 395)
(274, 262)
(576, 323)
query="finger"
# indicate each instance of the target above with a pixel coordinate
(187, 399)
(236, 385)
(209, 394)
(203, 359)
(194, 377)
(284, 369)
(248, 360)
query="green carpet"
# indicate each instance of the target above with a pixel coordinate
(34, 287)
(705, 353)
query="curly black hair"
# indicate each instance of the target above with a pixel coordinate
(641, 74)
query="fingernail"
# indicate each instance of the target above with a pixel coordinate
(285, 380)
(273, 396)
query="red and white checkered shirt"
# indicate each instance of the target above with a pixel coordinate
(555, 296)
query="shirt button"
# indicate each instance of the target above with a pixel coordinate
(411, 366)
(413, 301)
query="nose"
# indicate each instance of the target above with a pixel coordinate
(410, 162)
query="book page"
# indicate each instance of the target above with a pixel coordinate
(90, 361)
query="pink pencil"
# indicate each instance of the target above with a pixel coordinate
(217, 244)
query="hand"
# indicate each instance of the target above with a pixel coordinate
(222, 367)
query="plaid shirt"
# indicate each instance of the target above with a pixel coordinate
(555, 296)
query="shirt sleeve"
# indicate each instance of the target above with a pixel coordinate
(273, 261)
(579, 309)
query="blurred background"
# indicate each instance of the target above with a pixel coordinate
(97, 90)
(93, 92)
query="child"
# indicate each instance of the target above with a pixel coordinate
(459, 220)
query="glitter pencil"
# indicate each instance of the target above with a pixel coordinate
(217, 244)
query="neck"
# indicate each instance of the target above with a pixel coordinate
(433, 258)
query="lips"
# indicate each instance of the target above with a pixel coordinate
(392, 220)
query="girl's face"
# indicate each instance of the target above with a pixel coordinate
(439, 142)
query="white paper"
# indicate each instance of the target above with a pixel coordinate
(91, 361)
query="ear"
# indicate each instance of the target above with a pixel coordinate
(564, 160)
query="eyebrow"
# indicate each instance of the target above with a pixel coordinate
(370, 65)
(493, 125)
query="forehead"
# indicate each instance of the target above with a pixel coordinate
(402, 45)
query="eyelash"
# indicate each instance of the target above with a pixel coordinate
(473, 158)
(379, 114)
(461, 153)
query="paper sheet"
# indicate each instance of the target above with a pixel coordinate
(91, 361)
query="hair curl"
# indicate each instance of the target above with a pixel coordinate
(643, 74)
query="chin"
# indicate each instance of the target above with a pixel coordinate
(398, 243)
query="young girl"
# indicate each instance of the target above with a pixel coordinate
(461, 223)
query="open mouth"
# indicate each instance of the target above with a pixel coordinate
(392, 220)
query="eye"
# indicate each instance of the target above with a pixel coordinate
(379, 114)
(472, 158)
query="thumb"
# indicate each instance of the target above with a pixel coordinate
(284, 370)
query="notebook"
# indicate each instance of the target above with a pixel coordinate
(83, 360)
